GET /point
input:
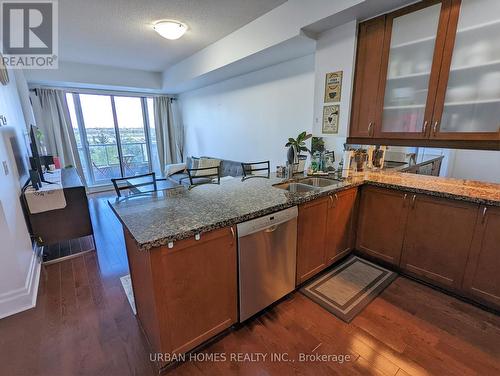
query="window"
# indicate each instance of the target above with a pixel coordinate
(112, 135)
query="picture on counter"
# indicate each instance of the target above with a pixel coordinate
(331, 119)
(333, 87)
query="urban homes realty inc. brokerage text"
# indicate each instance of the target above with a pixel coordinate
(250, 357)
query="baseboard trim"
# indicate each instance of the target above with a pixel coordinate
(24, 298)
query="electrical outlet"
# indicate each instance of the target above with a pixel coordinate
(5, 168)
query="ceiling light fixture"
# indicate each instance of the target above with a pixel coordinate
(170, 29)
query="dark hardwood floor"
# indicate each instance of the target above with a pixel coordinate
(83, 325)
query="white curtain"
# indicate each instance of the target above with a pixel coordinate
(59, 137)
(169, 133)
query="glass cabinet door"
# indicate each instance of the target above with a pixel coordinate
(407, 101)
(468, 106)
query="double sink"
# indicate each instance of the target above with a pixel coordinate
(307, 184)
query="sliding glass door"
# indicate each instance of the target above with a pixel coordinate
(132, 135)
(112, 135)
(100, 137)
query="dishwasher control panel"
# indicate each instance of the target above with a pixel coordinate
(261, 223)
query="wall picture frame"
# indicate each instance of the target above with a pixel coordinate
(331, 119)
(333, 87)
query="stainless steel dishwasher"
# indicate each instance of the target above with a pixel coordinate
(267, 260)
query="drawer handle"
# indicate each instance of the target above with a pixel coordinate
(484, 215)
(405, 196)
(413, 201)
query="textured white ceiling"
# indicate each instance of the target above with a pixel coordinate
(119, 33)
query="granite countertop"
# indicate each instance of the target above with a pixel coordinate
(157, 218)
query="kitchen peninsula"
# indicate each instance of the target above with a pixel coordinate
(182, 246)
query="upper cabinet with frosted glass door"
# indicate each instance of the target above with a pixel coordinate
(438, 78)
(413, 49)
(468, 99)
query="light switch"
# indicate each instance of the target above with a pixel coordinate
(5, 168)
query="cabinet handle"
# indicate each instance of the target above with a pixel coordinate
(370, 126)
(331, 200)
(405, 196)
(426, 123)
(435, 127)
(232, 232)
(413, 201)
(483, 219)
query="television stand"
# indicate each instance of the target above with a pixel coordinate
(70, 222)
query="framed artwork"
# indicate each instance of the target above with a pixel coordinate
(333, 87)
(331, 119)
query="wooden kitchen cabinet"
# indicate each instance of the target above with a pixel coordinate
(325, 232)
(448, 243)
(366, 80)
(188, 293)
(468, 96)
(339, 232)
(381, 223)
(438, 75)
(482, 274)
(311, 233)
(437, 240)
(411, 57)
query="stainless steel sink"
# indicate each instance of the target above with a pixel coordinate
(296, 187)
(318, 182)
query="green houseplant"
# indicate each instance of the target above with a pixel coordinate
(296, 145)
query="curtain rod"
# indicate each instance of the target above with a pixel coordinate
(124, 93)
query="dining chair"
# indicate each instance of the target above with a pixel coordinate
(205, 175)
(135, 184)
(249, 170)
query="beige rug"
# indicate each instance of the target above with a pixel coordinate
(348, 288)
(127, 286)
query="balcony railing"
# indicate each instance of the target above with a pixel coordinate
(105, 163)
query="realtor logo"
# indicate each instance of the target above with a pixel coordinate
(29, 34)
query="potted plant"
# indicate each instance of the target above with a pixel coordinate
(295, 146)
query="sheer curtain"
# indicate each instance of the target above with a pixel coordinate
(59, 138)
(169, 132)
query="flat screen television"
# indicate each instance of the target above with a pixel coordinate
(35, 155)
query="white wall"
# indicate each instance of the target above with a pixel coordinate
(335, 51)
(19, 268)
(481, 165)
(250, 117)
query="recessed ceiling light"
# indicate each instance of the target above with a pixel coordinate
(170, 29)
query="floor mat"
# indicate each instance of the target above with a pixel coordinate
(349, 287)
